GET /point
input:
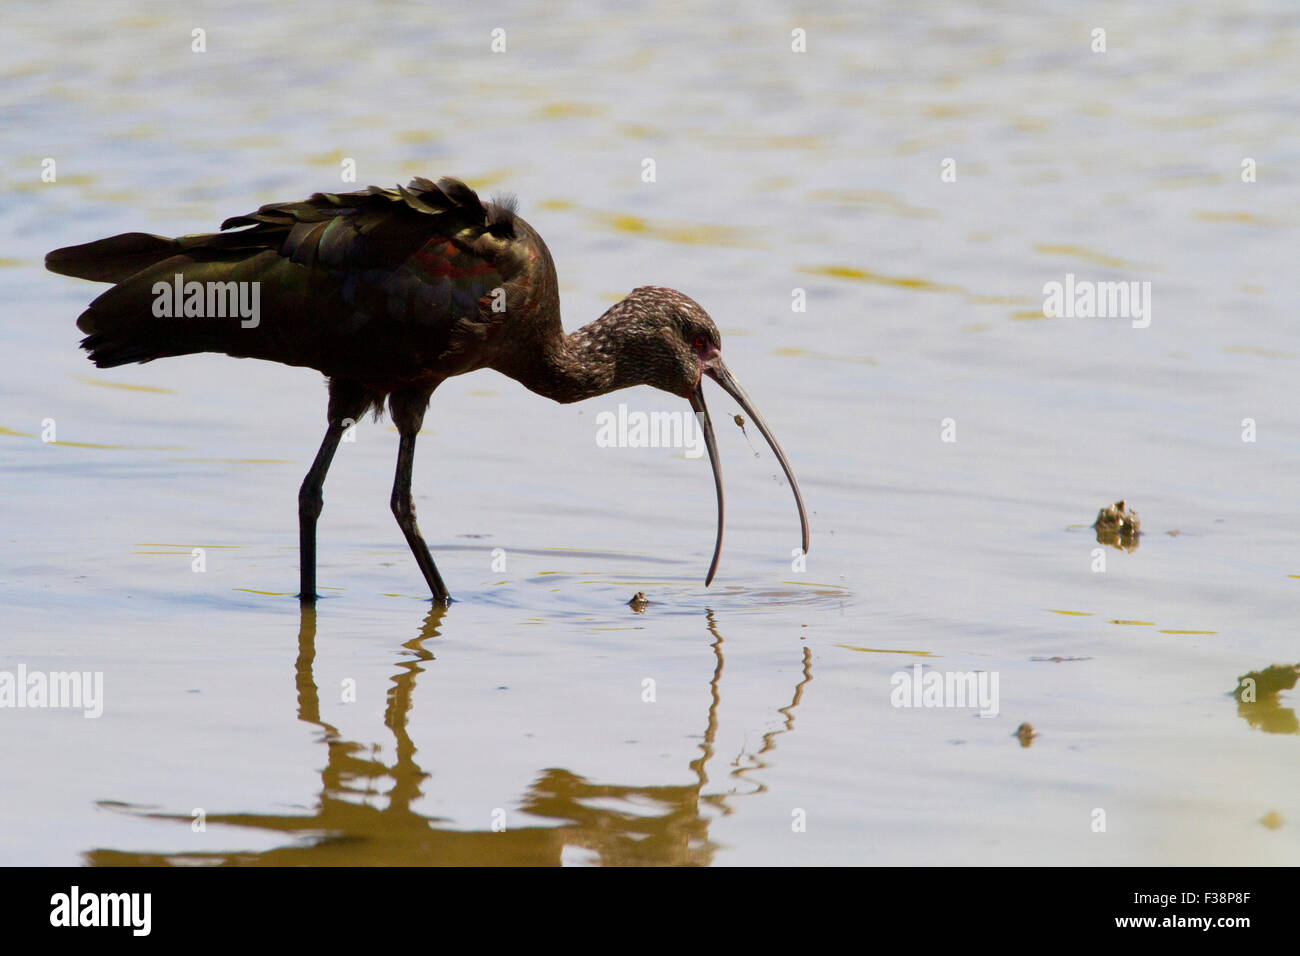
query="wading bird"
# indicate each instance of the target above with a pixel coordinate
(389, 292)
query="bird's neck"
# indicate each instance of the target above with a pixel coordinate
(583, 364)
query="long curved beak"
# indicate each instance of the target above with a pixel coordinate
(720, 374)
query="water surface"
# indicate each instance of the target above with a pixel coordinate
(515, 727)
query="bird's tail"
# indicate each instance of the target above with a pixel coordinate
(144, 316)
(114, 259)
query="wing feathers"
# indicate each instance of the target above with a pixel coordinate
(376, 259)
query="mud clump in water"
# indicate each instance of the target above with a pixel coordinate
(1118, 518)
(740, 420)
(1118, 526)
(638, 602)
(1259, 701)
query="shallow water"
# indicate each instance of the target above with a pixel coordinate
(375, 731)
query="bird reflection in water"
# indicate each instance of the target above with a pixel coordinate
(665, 825)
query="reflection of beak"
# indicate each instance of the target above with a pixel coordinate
(719, 373)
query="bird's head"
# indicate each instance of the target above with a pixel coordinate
(675, 345)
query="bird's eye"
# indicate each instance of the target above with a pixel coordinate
(699, 343)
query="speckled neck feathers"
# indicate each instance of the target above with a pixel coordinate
(629, 345)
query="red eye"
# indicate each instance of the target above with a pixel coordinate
(699, 343)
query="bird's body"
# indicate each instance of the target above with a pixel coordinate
(389, 293)
(384, 287)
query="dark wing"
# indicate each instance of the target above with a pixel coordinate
(345, 281)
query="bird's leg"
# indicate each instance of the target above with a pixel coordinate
(310, 503)
(407, 411)
(347, 404)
